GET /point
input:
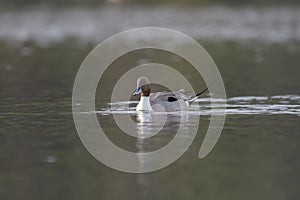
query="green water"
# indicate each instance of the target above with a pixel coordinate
(42, 157)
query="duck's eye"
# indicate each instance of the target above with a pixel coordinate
(171, 99)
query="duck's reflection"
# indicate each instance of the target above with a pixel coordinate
(143, 144)
(154, 131)
(151, 123)
(144, 117)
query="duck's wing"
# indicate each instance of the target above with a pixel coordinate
(168, 101)
(158, 97)
(182, 95)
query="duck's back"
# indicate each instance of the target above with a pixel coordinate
(169, 101)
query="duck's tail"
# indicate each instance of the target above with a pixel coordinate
(193, 98)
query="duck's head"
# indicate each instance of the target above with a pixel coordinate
(143, 87)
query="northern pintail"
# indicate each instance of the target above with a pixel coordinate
(162, 101)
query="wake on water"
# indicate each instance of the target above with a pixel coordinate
(241, 105)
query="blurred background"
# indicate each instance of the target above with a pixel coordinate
(255, 44)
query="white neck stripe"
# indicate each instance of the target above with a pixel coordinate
(144, 104)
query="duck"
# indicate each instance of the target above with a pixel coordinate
(162, 101)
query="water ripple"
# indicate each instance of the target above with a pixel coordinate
(241, 105)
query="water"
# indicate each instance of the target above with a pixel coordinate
(256, 157)
(216, 23)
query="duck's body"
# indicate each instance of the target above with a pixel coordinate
(162, 101)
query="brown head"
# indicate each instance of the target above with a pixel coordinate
(143, 87)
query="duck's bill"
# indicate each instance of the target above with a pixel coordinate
(137, 91)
